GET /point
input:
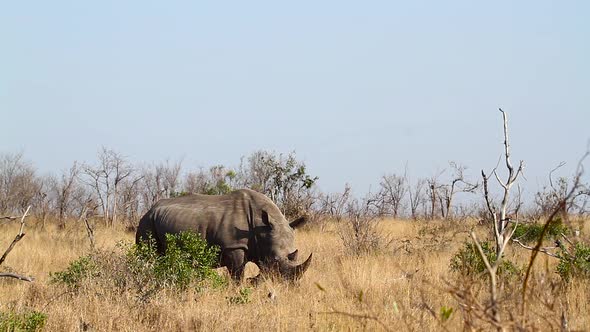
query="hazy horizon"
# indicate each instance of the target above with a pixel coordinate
(356, 90)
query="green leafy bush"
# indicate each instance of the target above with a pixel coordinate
(468, 262)
(575, 264)
(25, 321)
(188, 261)
(528, 233)
(76, 272)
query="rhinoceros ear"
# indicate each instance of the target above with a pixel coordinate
(298, 222)
(265, 218)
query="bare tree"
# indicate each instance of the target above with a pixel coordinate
(159, 181)
(433, 188)
(106, 178)
(393, 189)
(334, 205)
(558, 189)
(19, 185)
(129, 197)
(500, 221)
(121, 171)
(152, 187)
(255, 173)
(360, 234)
(416, 196)
(42, 201)
(196, 182)
(171, 176)
(458, 184)
(64, 191)
(94, 179)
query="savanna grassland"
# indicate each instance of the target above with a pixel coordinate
(406, 285)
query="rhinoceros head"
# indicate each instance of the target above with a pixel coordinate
(277, 246)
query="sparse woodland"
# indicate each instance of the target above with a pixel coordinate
(456, 250)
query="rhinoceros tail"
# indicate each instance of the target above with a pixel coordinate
(145, 229)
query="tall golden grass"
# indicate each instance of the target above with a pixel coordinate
(405, 286)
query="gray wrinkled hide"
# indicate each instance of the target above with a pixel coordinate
(245, 224)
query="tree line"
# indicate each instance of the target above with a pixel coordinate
(118, 191)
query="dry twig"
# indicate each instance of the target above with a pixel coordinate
(544, 250)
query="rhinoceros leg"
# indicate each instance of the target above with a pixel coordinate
(235, 261)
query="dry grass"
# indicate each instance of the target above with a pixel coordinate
(402, 287)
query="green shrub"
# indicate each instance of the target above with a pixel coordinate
(575, 264)
(25, 321)
(76, 272)
(188, 261)
(528, 233)
(468, 262)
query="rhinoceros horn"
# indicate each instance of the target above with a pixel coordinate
(292, 271)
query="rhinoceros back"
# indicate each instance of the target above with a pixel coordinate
(220, 220)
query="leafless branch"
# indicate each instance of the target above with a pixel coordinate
(490, 206)
(566, 239)
(17, 238)
(561, 164)
(499, 180)
(16, 276)
(544, 250)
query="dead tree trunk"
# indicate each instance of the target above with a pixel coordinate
(502, 234)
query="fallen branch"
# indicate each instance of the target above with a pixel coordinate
(17, 238)
(16, 276)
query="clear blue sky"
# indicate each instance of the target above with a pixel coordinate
(356, 88)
